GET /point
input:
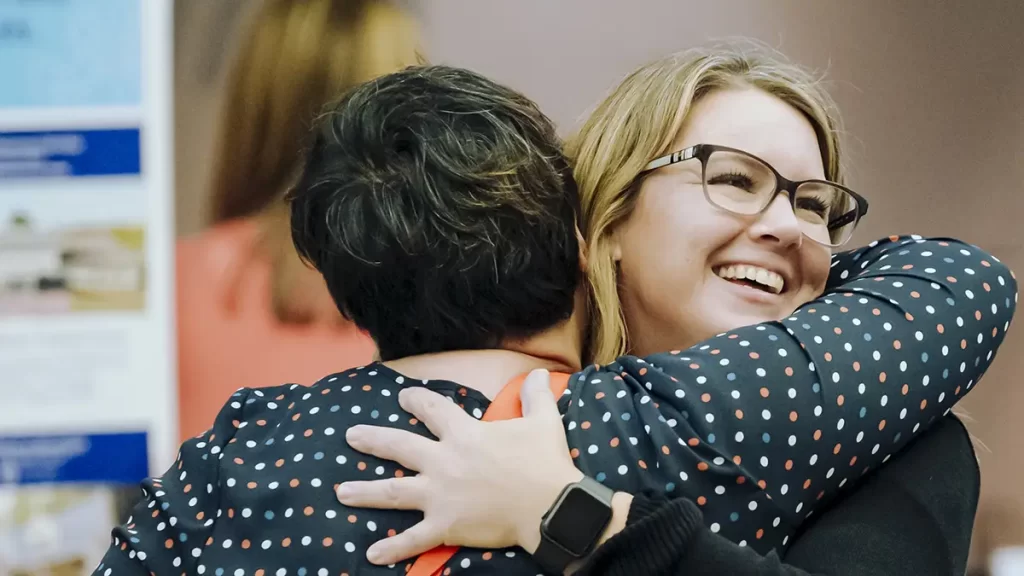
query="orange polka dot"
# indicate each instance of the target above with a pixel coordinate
(169, 544)
(789, 370)
(977, 314)
(694, 366)
(328, 542)
(361, 466)
(701, 500)
(837, 449)
(286, 542)
(760, 533)
(260, 572)
(963, 344)
(209, 540)
(957, 391)
(239, 461)
(231, 512)
(308, 511)
(715, 352)
(643, 371)
(352, 518)
(447, 571)
(853, 461)
(413, 421)
(614, 442)
(367, 388)
(994, 332)
(881, 377)
(261, 422)
(915, 294)
(821, 495)
(664, 450)
(399, 473)
(235, 423)
(951, 279)
(837, 330)
(764, 392)
(279, 463)
(817, 434)
(326, 391)
(876, 312)
(487, 556)
(881, 425)
(702, 466)
(923, 404)
(828, 356)
(156, 513)
(793, 416)
(840, 400)
(739, 414)
(986, 286)
(789, 464)
(294, 483)
(296, 417)
(905, 389)
(599, 396)
(392, 532)
(246, 544)
(844, 309)
(252, 485)
(737, 460)
(574, 453)
(642, 464)
(585, 425)
(754, 355)
(856, 366)
(307, 433)
(985, 263)
(188, 488)
(705, 397)
(762, 484)
(896, 344)
(693, 442)
(807, 484)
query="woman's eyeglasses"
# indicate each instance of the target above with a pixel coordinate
(744, 184)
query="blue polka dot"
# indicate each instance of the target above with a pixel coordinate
(302, 572)
(205, 456)
(867, 337)
(806, 326)
(816, 388)
(165, 505)
(318, 456)
(945, 373)
(136, 540)
(766, 437)
(625, 416)
(600, 477)
(219, 572)
(924, 356)
(947, 260)
(670, 487)
(730, 376)
(897, 437)
(773, 337)
(863, 411)
(183, 537)
(335, 408)
(950, 301)
(269, 515)
(269, 442)
(711, 438)
(734, 516)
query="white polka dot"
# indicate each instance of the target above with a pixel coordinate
(477, 413)
(766, 414)
(193, 501)
(903, 414)
(684, 476)
(840, 424)
(792, 393)
(465, 563)
(709, 417)
(718, 461)
(764, 461)
(817, 410)
(885, 400)
(322, 572)
(715, 527)
(592, 449)
(341, 459)
(282, 572)
(784, 490)
(739, 436)
(860, 436)
(782, 352)
(701, 379)
(379, 470)
(371, 526)
(239, 572)
(230, 483)
(861, 388)
(306, 540)
(329, 432)
(736, 394)
(315, 482)
(814, 459)
(246, 512)
(719, 490)
(761, 372)
(298, 457)
(226, 544)
(752, 506)
(356, 409)
(331, 514)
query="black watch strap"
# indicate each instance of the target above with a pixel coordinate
(573, 524)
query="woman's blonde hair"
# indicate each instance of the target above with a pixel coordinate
(295, 57)
(638, 121)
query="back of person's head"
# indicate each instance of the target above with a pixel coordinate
(295, 57)
(440, 210)
(638, 122)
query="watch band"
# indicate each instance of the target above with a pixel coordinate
(553, 556)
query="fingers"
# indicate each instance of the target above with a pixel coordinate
(538, 401)
(389, 494)
(406, 448)
(438, 413)
(412, 542)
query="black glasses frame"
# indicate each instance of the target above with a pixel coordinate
(782, 184)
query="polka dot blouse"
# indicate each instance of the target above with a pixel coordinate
(760, 426)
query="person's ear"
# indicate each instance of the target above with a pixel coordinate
(582, 248)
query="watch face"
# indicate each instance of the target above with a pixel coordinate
(578, 521)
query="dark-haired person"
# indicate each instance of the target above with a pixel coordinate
(442, 214)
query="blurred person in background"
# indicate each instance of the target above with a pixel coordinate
(248, 309)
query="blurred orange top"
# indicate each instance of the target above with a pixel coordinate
(228, 336)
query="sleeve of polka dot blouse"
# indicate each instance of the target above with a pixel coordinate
(777, 418)
(169, 526)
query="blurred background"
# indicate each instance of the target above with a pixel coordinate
(932, 94)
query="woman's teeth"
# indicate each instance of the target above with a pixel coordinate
(765, 279)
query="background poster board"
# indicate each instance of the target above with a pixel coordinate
(87, 383)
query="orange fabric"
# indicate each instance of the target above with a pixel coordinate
(506, 406)
(228, 336)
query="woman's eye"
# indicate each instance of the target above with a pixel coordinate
(735, 180)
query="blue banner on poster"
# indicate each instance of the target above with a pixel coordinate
(69, 153)
(120, 458)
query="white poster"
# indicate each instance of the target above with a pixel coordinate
(87, 394)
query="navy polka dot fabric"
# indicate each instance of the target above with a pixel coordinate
(761, 426)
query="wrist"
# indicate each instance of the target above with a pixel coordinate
(543, 497)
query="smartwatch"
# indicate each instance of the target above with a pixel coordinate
(573, 524)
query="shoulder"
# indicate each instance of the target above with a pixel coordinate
(210, 254)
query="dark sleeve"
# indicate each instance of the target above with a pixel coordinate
(912, 517)
(168, 528)
(764, 425)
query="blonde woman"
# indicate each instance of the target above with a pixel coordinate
(248, 309)
(704, 180)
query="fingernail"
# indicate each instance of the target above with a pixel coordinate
(342, 491)
(354, 434)
(374, 554)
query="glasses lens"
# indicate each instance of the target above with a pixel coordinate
(737, 182)
(827, 214)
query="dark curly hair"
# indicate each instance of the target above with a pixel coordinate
(441, 211)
